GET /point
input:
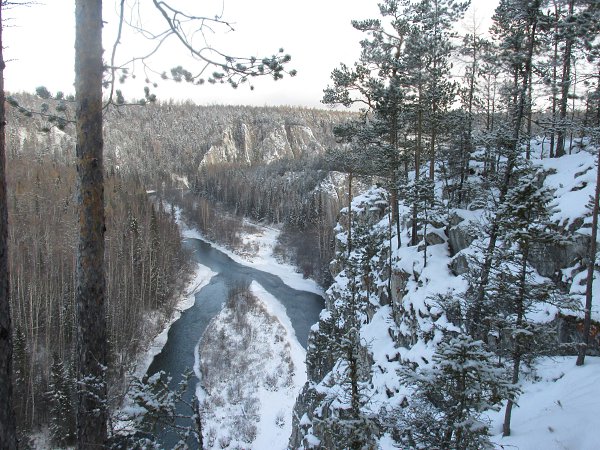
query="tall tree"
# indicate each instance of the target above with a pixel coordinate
(515, 27)
(92, 414)
(429, 47)
(91, 285)
(8, 435)
(524, 220)
(587, 319)
(374, 84)
(565, 85)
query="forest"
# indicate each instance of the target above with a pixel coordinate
(445, 199)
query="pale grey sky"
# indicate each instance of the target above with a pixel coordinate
(317, 33)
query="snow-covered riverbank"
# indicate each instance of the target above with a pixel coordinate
(274, 421)
(251, 372)
(263, 241)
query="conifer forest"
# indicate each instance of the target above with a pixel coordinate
(410, 265)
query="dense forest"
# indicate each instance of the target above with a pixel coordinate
(470, 261)
(146, 265)
(451, 215)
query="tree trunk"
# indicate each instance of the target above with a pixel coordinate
(554, 78)
(414, 229)
(510, 164)
(587, 319)
(91, 316)
(350, 176)
(468, 147)
(565, 85)
(518, 350)
(8, 435)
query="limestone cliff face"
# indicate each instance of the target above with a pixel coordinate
(228, 150)
(262, 143)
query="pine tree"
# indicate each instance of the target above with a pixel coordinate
(8, 434)
(60, 395)
(516, 34)
(429, 210)
(427, 64)
(451, 395)
(156, 409)
(523, 220)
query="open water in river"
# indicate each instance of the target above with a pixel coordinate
(302, 307)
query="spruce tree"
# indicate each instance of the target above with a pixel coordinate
(451, 395)
(60, 395)
(524, 220)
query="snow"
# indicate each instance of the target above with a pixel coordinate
(272, 403)
(578, 292)
(264, 240)
(271, 334)
(559, 411)
(574, 179)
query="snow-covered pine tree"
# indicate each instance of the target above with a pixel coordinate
(451, 394)
(62, 411)
(523, 220)
(156, 409)
(374, 83)
(339, 410)
(426, 64)
(515, 27)
(430, 211)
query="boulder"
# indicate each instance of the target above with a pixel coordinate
(434, 238)
(459, 264)
(459, 238)
(548, 259)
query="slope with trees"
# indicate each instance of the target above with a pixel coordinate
(484, 272)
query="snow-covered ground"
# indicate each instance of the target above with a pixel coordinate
(270, 435)
(252, 370)
(558, 410)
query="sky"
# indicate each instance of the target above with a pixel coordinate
(39, 42)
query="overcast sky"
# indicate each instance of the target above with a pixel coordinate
(317, 34)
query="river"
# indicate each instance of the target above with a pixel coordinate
(177, 355)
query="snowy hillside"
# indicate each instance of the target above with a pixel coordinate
(558, 409)
(412, 306)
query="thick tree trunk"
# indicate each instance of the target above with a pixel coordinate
(91, 315)
(8, 435)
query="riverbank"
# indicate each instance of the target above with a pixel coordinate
(251, 372)
(273, 414)
(219, 271)
(257, 252)
(200, 278)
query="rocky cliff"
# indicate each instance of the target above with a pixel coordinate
(390, 309)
